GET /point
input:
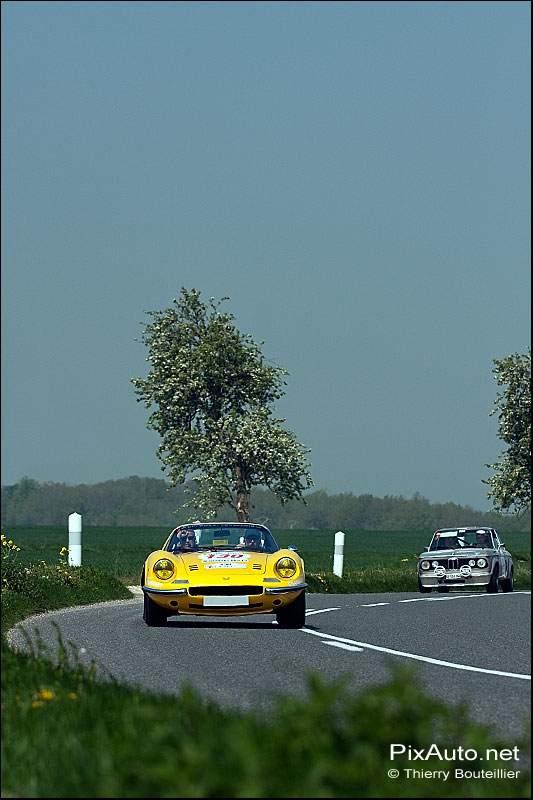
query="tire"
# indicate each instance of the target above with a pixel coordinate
(153, 615)
(492, 586)
(293, 615)
(507, 584)
(443, 589)
(423, 589)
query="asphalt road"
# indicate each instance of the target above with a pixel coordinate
(465, 646)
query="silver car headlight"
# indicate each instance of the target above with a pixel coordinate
(424, 565)
(472, 562)
(482, 562)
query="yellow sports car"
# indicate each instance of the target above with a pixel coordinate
(224, 569)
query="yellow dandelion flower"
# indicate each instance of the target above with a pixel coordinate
(405, 559)
(46, 694)
(73, 695)
(36, 704)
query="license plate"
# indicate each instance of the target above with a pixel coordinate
(235, 600)
(452, 576)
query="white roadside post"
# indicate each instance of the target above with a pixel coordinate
(338, 554)
(74, 540)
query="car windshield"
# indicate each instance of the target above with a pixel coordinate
(255, 538)
(460, 538)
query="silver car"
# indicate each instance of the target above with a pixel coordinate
(465, 557)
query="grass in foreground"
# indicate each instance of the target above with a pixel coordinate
(88, 739)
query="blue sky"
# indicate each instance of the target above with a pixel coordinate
(355, 176)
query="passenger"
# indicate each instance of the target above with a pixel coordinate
(447, 542)
(252, 539)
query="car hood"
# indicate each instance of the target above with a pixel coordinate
(474, 552)
(241, 562)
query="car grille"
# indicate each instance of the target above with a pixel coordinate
(224, 591)
(455, 563)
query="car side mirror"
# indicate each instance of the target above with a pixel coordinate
(292, 547)
(502, 544)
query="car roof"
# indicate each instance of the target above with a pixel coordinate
(218, 524)
(465, 528)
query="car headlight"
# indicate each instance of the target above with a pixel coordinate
(472, 562)
(434, 564)
(482, 562)
(164, 568)
(424, 565)
(286, 567)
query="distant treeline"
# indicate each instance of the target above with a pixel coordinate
(150, 501)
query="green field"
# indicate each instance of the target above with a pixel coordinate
(373, 560)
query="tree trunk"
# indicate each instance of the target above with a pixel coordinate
(243, 500)
(243, 507)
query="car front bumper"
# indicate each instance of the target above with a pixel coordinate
(433, 581)
(223, 600)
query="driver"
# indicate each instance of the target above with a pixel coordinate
(186, 539)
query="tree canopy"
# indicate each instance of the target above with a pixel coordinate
(511, 482)
(213, 393)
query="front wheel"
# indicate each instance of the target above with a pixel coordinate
(508, 583)
(293, 615)
(492, 585)
(153, 615)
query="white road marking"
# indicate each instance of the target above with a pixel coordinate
(369, 605)
(440, 663)
(434, 599)
(345, 646)
(460, 597)
(309, 612)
